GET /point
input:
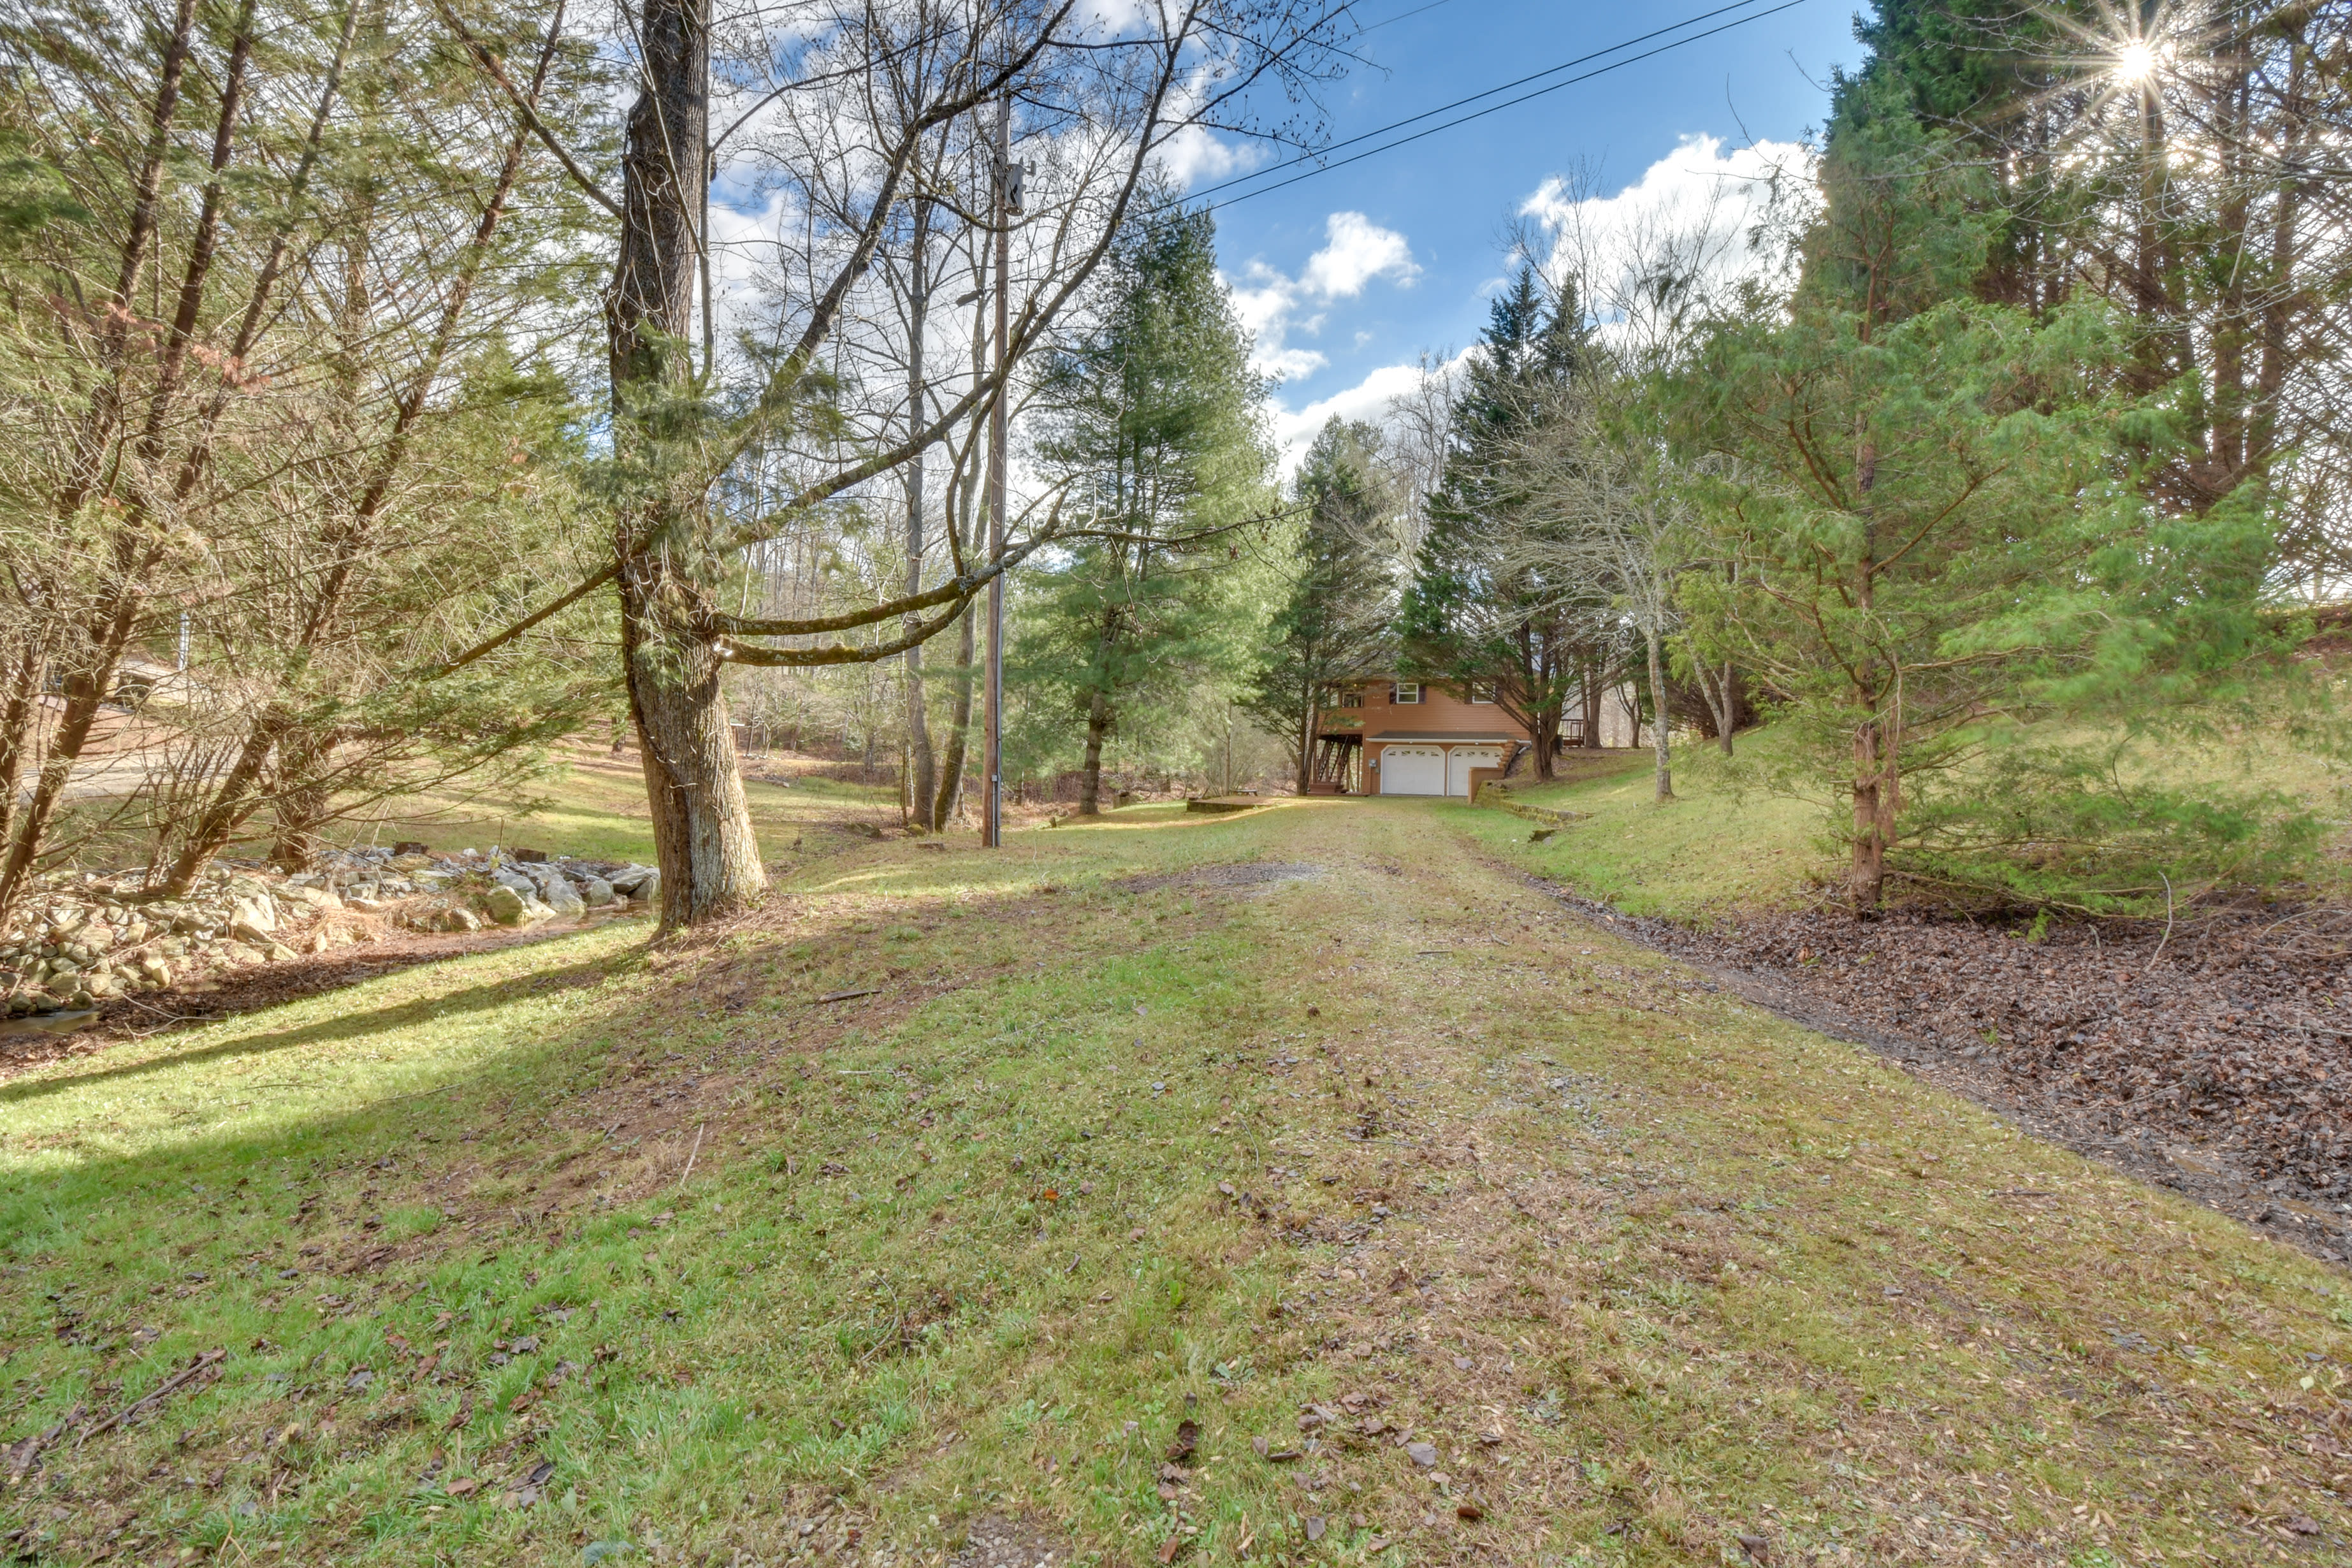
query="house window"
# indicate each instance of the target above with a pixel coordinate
(1405, 692)
(1481, 692)
(1342, 697)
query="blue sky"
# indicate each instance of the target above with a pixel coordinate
(1347, 277)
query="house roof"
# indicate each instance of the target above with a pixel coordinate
(1445, 735)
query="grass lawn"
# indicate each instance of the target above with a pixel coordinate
(1716, 848)
(1359, 1207)
(596, 809)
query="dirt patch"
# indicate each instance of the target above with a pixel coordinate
(2220, 1066)
(1250, 874)
(996, 1542)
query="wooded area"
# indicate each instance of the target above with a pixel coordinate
(381, 422)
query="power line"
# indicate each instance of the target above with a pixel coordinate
(1506, 87)
(1417, 10)
(1507, 104)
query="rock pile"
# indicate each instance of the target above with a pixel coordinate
(89, 936)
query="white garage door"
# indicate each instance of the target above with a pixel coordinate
(1413, 769)
(1458, 765)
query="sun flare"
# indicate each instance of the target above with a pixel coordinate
(2135, 62)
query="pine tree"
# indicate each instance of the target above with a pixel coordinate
(1929, 503)
(1154, 416)
(1334, 624)
(1465, 617)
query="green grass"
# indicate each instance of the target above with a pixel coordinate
(732, 1260)
(595, 808)
(1726, 843)
(1716, 847)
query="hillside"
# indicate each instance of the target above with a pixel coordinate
(1301, 1184)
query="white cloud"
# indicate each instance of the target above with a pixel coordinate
(1699, 206)
(1194, 154)
(1368, 399)
(1356, 251)
(739, 232)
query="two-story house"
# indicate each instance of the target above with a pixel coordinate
(1411, 737)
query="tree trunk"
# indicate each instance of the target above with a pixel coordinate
(86, 686)
(1587, 691)
(1664, 789)
(1731, 708)
(1306, 743)
(923, 784)
(20, 720)
(708, 855)
(301, 810)
(1098, 726)
(951, 785)
(1867, 878)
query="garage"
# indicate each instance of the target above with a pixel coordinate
(1459, 762)
(1413, 769)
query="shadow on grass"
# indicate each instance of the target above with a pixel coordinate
(349, 1025)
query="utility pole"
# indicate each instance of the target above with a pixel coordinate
(1008, 202)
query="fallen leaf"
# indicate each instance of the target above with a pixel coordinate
(845, 995)
(1422, 1454)
(1314, 1528)
(1188, 1435)
(1174, 1543)
(2303, 1524)
(1467, 1510)
(461, 1487)
(1259, 1444)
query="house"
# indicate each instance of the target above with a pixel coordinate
(1393, 736)
(1411, 737)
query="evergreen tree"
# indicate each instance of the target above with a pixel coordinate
(1931, 510)
(1333, 626)
(1153, 416)
(1467, 618)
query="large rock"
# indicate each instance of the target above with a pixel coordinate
(554, 889)
(649, 890)
(595, 892)
(628, 878)
(507, 906)
(258, 913)
(315, 897)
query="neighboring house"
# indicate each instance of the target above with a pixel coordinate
(1412, 737)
